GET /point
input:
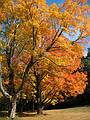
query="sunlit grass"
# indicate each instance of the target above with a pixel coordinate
(78, 113)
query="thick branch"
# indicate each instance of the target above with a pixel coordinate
(9, 53)
(54, 39)
(79, 37)
(3, 91)
(25, 74)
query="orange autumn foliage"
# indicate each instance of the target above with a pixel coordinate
(36, 39)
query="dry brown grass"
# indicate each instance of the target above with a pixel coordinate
(78, 113)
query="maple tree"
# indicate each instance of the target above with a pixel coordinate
(58, 81)
(34, 47)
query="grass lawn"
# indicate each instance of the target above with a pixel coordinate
(78, 113)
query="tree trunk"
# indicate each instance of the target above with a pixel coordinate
(12, 108)
(33, 104)
(33, 107)
(39, 110)
(39, 99)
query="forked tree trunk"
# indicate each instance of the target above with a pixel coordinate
(12, 108)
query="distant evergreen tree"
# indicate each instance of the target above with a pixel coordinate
(86, 62)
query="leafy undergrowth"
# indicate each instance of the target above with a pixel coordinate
(78, 113)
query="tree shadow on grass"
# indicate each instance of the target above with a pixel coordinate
(24, 114)
(29, 114)
(3, 114)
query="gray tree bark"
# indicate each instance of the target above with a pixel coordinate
(13, 108)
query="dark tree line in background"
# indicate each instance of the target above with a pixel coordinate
(83, 99)
(86, 61)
